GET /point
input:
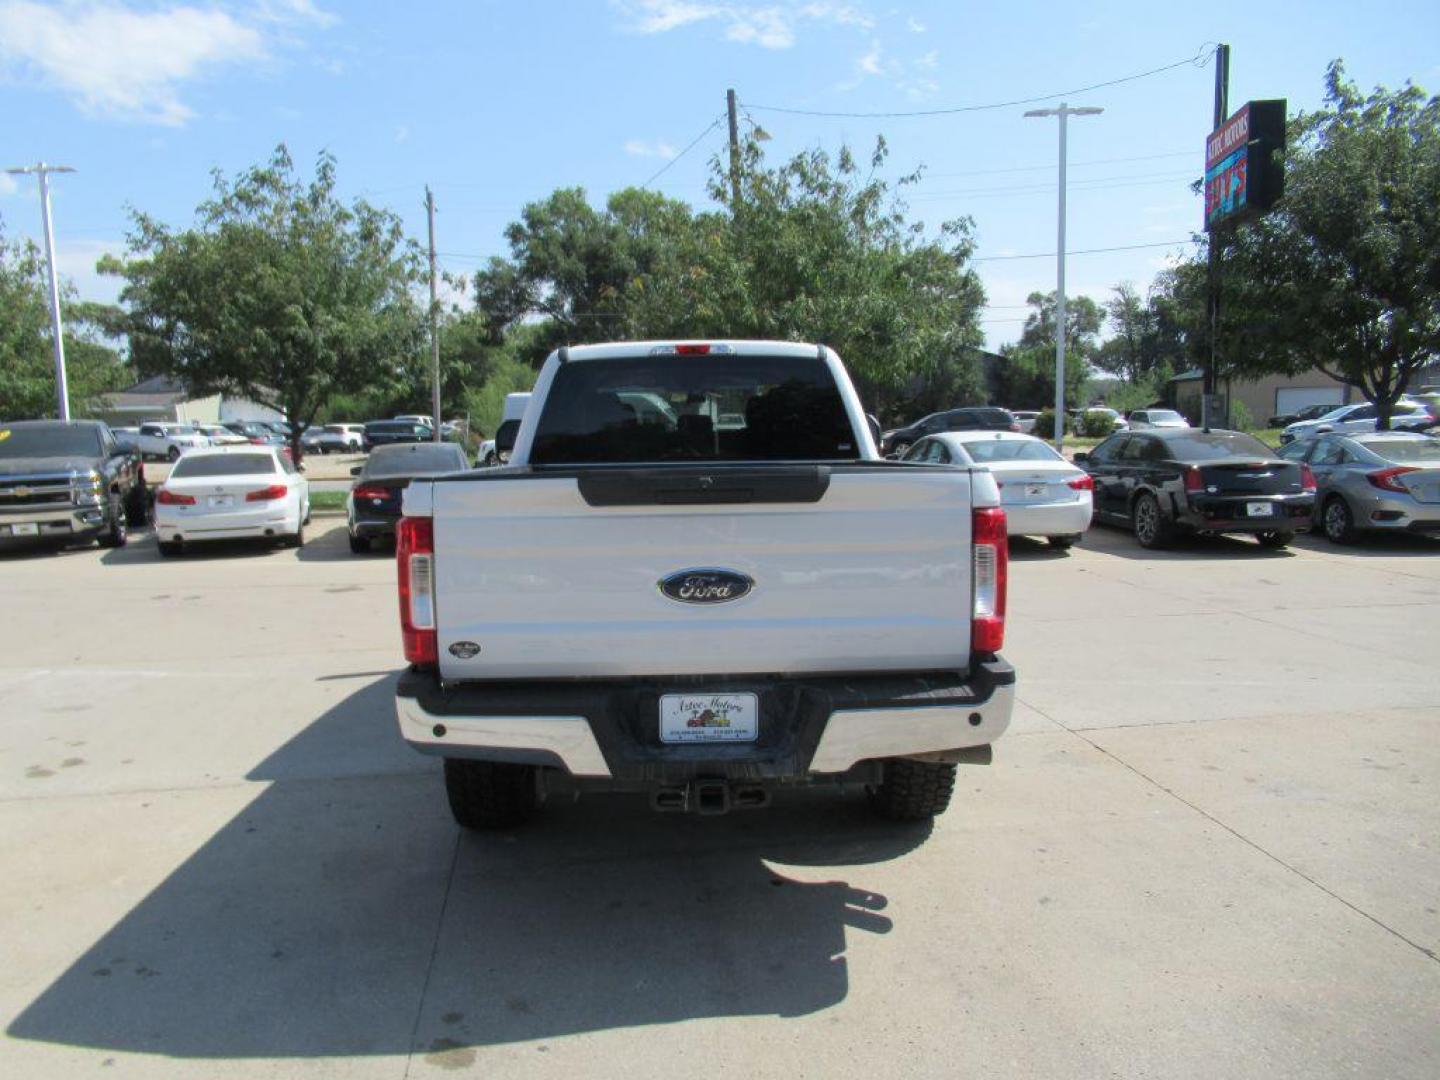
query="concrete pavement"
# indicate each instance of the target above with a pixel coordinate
(1207, 848)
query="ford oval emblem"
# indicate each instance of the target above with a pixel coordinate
(465, 650)
(706, 585)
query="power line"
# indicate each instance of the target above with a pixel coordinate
(1199, 60)
(1051, 168)
(1084, 251)
(691, 146)
(1092, 183)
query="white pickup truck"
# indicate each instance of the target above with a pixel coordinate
(698, 580)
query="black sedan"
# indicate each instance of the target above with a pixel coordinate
(1166, 483)
(391, 432)
(984, 418)
(374, 505)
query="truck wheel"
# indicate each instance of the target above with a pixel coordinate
(137, 505)
(116, 535)
(1151, 528)
(359, 545)
(489, 794)
(913, 790)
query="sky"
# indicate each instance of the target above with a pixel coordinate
(495, 103)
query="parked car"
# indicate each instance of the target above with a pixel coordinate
(257, 433)
(128, 437)
(68, 480)
(1408, 415)
(1162, 483)
(228, 493)
(985, 418)
(329, 439)
(374, 505)
(418, 418)
(167, 441)
(1096, 418)
(1310, 412)
(388, 432)
(220, 435)
(1025, 419)
(1041, 493)
(496, 451)
(1382, 481)
(1145, 419)
(701, 614)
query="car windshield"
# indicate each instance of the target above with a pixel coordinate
(985, 451)
(414, 460)
(58, 440)
(694, 408)
(192, 465)
(1422, 450)
(1163, 414)
(1203, 446)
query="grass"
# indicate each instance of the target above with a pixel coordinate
(328, 500)
(1269, 436)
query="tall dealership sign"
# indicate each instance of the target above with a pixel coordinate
(1244, 173)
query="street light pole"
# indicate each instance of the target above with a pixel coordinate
(43, 171)
(434, 320)
(1064, 112)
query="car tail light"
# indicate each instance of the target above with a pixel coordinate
(364, 492)
(267, 494)
(415, 561)
(1307, 479)
(166, 497)
(1082, 483)
(255, 440)
(989, 571)
(1389, 479)
(1193, 480)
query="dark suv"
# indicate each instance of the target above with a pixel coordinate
(979, 418)
(68, 480)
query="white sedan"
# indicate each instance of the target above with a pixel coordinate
(1042, 493)
(227, 493)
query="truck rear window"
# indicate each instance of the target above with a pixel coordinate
(693, 408)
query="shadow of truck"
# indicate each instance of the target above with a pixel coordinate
(341, 913)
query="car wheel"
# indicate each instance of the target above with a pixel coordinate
(913, 790)
(1275, 539)
(899, 449)
(491, 460)
(295, 539)
(1063, 542)
(490, 794)
(137, 505)
(170, 549)
(173, 454)
(1337, 520)
(1151, 528)
(359, 545)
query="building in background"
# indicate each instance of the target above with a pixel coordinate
(1262, 398)
(166, 400)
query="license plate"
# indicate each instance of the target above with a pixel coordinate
(1259, 509)
(692, 718)
(219, 502)
(25, 528)
(1034, 489)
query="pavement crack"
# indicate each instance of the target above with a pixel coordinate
(434, 952)
(1429, 954)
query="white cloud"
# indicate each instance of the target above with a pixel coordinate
(771, 26)
(114, 60)
(402, 134)
(914, 25)
(869, 64)
(657, 149)
(929, 62)
(910, 77)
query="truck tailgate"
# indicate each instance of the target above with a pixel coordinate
(874, 575)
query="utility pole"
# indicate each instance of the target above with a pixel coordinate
(1212, 246)
(434, 319)
(1064, 112)
(730, 108)
(43, 171)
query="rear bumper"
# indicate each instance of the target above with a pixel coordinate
(1289, 513)
(1052, 519)
(171, 526)
(609, 729)
(375, 528)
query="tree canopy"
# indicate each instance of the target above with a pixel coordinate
(1027, 378)
(280, 293)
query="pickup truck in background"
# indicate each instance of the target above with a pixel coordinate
(167, 441)
(688, 583)
(69, 480)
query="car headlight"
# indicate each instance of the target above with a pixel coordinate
(85, 489)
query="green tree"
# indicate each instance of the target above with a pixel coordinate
(27, 366)
(1028, 375)
(280, 293)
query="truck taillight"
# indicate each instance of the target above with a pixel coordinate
(415, 563)
(989, 571)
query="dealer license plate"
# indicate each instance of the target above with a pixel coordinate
(1259, 509)
(1034, 489)
(25, 528)
(709, 718)
(219, 502)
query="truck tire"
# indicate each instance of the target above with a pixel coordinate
(913, 790)
(137, 505)
(490, 794)
(115, 534)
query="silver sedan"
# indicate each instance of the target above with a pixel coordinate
(1383, 481)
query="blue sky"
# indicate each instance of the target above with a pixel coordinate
(497, 102)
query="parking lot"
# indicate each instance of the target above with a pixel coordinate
(1209, 846)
